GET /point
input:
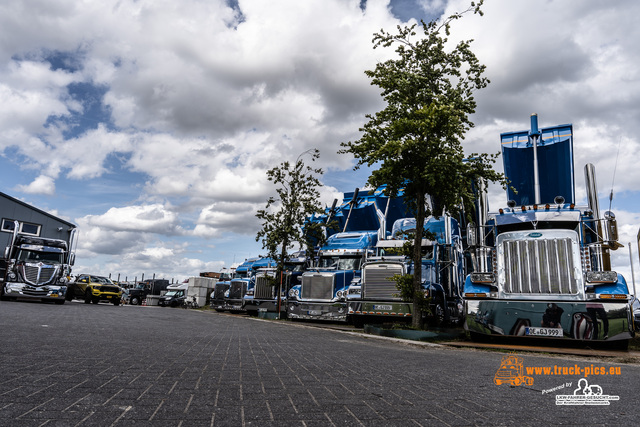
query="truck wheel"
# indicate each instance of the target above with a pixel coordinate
(87, 297)
(116, 302)
(135, 300)
(357, 321)
(439, 315)
(59, 302)
(95, 300)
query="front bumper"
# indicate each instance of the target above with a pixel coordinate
(584, 320)
(26, 291)
(319, 311)
(380, 308)
(106, 296)
(252, 305)
(232, 305)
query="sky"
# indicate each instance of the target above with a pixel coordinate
(150, 124)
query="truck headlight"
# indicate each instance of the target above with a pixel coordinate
(602, 276)
(482, 278)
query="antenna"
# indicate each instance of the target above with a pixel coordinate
(614, 174)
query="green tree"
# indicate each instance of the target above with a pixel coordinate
(284, 217)
(415, 143)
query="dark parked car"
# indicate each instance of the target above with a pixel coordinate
(636, 313)
(173, 298)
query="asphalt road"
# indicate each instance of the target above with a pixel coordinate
(101, 365)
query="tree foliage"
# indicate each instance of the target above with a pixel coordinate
(283, 219)
(416, 141)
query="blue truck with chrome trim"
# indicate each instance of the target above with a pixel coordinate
(352, 228)
(542, 264)
(221, 290)
(244, 279)
(323, 291)
(262, 292)
(375, 297)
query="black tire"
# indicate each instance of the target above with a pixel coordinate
(59, 302)
(70, 293)
(95, 300)
(116, 302)
(439, 315)
(478, 337)
(135, 300)
(87, 296)
(161, 304)
(357, 321)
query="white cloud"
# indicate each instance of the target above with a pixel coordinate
(41, 185)
(202, 103)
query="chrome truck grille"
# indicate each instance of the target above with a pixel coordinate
(317, 286)
(263, 288)
(39, 274)
(219, 290)
(237, 289)
(539, 266)
(376, 283)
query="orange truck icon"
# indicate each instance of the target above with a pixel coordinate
(511, 372)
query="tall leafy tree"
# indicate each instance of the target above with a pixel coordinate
(284, 217)
(416, 141)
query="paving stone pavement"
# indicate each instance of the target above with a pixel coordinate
(101, 365)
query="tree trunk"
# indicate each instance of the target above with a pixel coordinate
(417, 320)
(280, 272)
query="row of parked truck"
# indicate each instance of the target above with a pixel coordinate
(540, 266)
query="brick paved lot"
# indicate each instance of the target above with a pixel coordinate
(102, 365)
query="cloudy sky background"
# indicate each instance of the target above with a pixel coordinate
(150, 124)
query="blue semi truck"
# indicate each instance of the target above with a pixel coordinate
(374, 296)
(264, 285)
(542, 264)
(353, 229)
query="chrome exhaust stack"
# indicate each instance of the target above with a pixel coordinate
(604, 228)
(476, 232)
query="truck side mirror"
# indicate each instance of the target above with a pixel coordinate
(72, 259)
(611, 227)
(472, 235)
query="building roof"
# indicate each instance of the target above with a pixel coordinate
(20, 202)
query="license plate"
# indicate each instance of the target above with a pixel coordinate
(314, 312)
(54, 295)
(543, 332)
(383, 307)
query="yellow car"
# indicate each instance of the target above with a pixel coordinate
(94, 289)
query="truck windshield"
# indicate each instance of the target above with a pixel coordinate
(340, 262)
(37, 256)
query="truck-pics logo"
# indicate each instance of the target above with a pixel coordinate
(511, 372)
